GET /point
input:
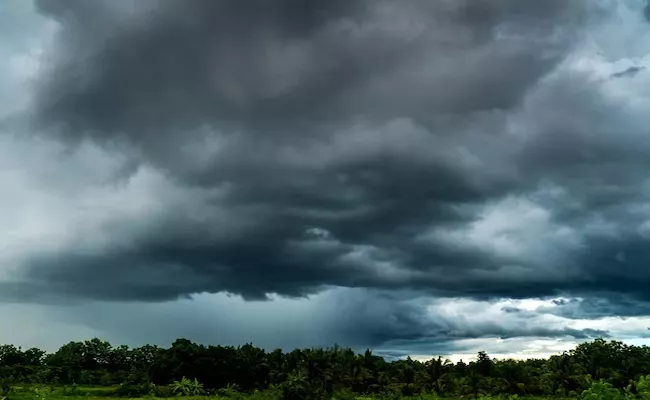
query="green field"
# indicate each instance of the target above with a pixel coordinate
(40, 392)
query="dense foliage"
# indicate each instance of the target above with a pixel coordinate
(188, 368)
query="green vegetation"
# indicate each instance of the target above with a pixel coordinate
(94, 369)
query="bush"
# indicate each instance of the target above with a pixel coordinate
(162, 391)
(6, 387)
(41, 392)
(133, 390)
(641, 387)
(273, 393)
(72, 390)
(344, 394)
(602, 390)
(187, 387)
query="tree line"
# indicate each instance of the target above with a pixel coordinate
(248, 368)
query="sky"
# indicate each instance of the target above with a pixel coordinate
(418, 177)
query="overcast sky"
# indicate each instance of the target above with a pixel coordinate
(418, 177)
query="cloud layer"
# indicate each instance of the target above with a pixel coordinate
(462, 148)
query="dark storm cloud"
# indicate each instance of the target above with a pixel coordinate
(367, 318)
(351, 144)
(358, 318)
(280, 67)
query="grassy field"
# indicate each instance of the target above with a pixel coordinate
(105, 393)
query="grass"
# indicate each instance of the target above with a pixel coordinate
(39, 392)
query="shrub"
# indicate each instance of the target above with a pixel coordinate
(231, 390)
(272, 393)
(133, 390)
(186, 387)
(642, 387)
(602, 391)
(6, 387)
(72, 390)
(162, 391)
(41, 393)
(344, 394)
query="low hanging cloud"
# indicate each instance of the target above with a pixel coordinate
(482, 149)
(360, 318)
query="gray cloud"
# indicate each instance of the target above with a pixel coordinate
(448, 147)
(630, 71)
(358, 318)
(599, 306)
(287, 66)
